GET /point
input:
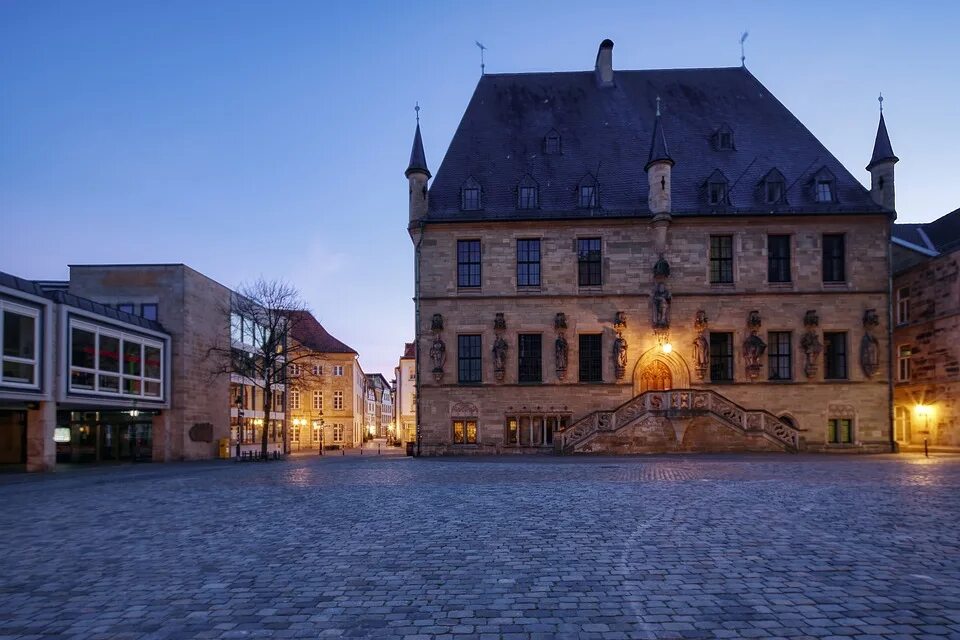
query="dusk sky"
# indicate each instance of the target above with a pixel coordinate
(254, 138)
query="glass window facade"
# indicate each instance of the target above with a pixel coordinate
(20, 329)
(105, 361)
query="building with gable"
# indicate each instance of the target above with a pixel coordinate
(644, 261)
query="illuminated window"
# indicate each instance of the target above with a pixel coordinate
(294, 399)
(106, 361)
(465, 432)
(903, 363)
(318, 400)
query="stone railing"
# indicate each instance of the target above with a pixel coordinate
(678, 403)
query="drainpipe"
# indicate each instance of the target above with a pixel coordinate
(890, 346)
(416, 333)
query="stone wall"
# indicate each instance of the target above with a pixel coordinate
(932, 336)
(629, 253)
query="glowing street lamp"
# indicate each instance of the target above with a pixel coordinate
(925, 410)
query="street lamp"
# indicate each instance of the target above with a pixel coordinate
(322, 432)
(925, 410)
(239, 403)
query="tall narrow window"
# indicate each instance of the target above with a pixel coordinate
(718, 192)
(470, 195)
(591, 358)
(468, 263)
(528, 263)
(318, 400)
(721, 259)
(781, 361)
(778, 258)
(834, 269)
(468, 359)
(835, 355)
(901, 424)
(338, 400)
(20, 335)
(295, 399)
(721, 357)
(903, 305)
(589, 262)
(824, 191)
(529, 357)
(903, 363)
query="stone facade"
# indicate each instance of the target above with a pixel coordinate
(192, 308)
(333, 418)
(629, 253)
(926, 310)
(405, 396)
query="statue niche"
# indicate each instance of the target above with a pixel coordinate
(869, 346)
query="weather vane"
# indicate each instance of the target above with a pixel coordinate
(880, 99)
(417, 109)
(482, 49)
(743, 57)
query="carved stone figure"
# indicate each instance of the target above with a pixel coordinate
(869, 346)
(661, 306)
(701, 347)
(438, 355)
(662, 268)
(499, 323)
(499, 356)
(620, 355)
(812, 347)
(437, 323)
(753, 347)
(560, 352)
(811, 319)
(560, 321)
(620, 321)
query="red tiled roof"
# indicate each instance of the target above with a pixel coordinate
(310, 333)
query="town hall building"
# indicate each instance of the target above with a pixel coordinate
(648, 261)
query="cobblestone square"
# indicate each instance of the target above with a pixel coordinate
(757, 546)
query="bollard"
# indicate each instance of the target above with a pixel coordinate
(926, 450)
(378, 449)
(343, 451)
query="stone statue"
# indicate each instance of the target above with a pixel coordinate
(661, 306)
(560, 352)
(753, 349)
(438, 354)
(620, 354)
(701, 354)
(812, 347)
(499, 356)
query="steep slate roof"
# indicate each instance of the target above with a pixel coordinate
(608, 131)
(882, 149)
(418, 159)
(942, 235)
(310, 333)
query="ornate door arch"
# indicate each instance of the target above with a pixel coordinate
(656, 376)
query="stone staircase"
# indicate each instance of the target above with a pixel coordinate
(678, 403)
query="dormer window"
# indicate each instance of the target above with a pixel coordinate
(723, 138)
(528, 194)
(824, 191)
(717, 189)
(587, 192)
(824, 186)
(551, 143)
(470, 195)
(773, 187)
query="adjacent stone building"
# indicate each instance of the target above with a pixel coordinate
(321, 384)
(926, 344)
(637, 261)
(380, 412)
(405, 396)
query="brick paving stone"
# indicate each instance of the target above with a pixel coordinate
(435, 549)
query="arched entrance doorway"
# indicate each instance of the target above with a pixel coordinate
(659, 371)
(656, 377)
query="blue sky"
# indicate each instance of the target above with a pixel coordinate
(256, 138)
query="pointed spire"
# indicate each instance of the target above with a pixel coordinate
(658, 146)
(882, 149)
(418, 159)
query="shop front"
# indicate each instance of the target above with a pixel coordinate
(104, 436)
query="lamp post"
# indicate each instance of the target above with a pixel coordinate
(239, 403)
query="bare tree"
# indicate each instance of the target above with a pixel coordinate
(264, 317)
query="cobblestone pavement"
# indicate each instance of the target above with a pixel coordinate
(648, 547)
